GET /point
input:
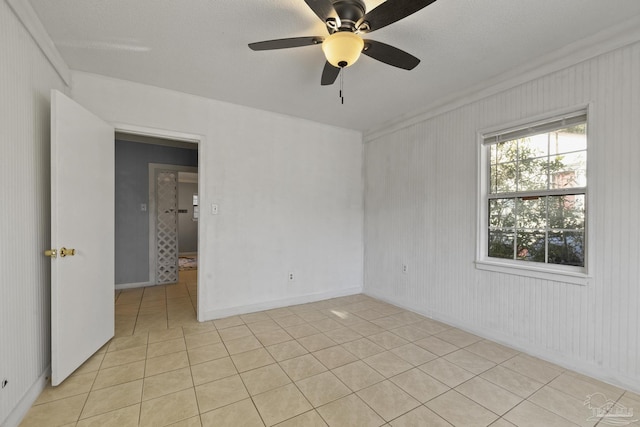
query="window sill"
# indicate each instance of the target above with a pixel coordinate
(518, 269)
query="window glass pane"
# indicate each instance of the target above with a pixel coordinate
(501, 244)
(493, 175)
(533, 146)
(533, 174)
(568, 139)
(566, 212)
(569, 170)
(505, 152)
(531, 212)
(502, 213)
(530, 245)
(503, 178)
(567, 248)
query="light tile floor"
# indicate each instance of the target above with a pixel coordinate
(352, 361)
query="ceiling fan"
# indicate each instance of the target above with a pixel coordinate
(346, 20)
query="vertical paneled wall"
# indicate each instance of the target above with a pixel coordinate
(26, 79)
(421, 210)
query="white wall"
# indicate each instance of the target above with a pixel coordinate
(289, 193)
(26, 79)
(421, 206)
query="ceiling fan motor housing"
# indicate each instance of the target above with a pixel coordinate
(350, 13)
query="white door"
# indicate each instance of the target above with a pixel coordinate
(82, 219)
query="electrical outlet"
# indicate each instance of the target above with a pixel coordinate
(405, 268)
(291, 277)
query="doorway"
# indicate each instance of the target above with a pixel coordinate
(136, 209)
(188, 217)
(84, 197)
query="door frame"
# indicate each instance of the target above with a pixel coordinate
(184, 137)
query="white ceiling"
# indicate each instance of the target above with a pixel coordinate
(200, 47)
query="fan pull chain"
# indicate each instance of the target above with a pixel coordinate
(341, 85)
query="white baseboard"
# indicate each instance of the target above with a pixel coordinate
(20, 410)
(122, 286)
(586, 368)
(268, 305)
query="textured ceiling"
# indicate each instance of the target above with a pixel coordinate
(200, 47)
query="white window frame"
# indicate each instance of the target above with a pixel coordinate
(555, 272)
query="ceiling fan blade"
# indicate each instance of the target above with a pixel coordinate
(391, 11)
(390, 55)
(329, 74)
(323, 8)
(286, 43)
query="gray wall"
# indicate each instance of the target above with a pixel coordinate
(132, 189)
(187, 227)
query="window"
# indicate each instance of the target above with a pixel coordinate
(535, 194)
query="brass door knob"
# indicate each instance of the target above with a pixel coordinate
(64, 252)
(52, 253)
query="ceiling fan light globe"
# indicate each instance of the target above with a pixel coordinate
(342, 47)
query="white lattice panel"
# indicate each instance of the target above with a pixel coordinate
(167, 227)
